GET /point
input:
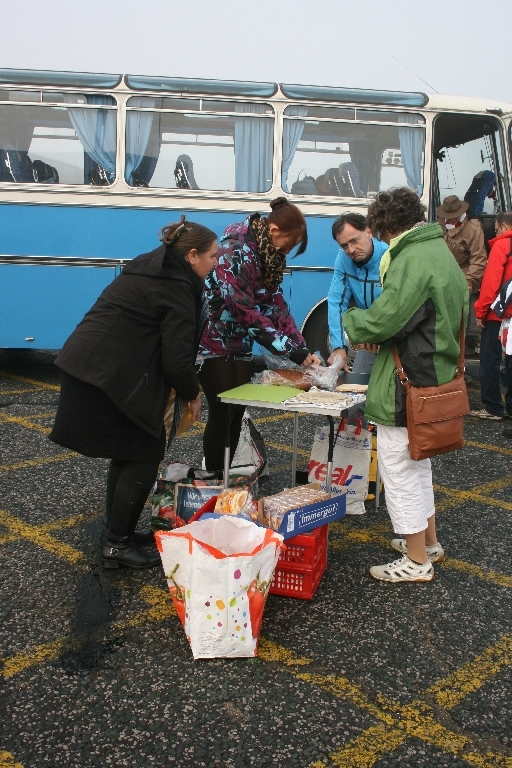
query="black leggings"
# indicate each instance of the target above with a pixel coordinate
(217, 375)
(128, 487)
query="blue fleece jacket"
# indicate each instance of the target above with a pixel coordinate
(361, 284)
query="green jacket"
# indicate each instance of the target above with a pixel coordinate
(424, 294)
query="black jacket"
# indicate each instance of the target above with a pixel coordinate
(138, 340)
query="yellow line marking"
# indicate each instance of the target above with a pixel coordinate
(43, 415)
(271, 652)
(35, 535)
(7, 760)
(37, 462)
(34, 382)
(288, 449)
(489, 447)
(24, 423)
(8, 392)
(462, 496)
(453, 689)
(266, 419)
(375, 535)
(161, 608)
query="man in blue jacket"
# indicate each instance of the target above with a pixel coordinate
(356, 280)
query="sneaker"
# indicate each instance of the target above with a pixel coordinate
(403, 570)
(434, 551)
(483, 414)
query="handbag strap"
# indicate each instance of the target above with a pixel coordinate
(460, 364)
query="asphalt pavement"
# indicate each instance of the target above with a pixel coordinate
(96, 669)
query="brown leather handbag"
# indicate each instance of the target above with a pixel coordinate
(435, 415)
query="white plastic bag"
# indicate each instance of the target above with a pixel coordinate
(219, 573)
(251, 448)
(351, 463)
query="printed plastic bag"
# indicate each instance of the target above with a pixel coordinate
(250, 448)
(351, 463)
(219, 572)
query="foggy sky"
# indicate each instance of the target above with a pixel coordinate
(457, 47)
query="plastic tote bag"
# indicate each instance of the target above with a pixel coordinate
(219, 573)
(351, 463)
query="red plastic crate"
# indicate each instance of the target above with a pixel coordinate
(301, 566)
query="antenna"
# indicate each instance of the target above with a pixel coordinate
(415, 75)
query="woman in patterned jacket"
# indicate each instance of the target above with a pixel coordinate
(247, 305)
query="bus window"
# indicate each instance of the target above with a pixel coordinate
(199, 145)
(469, 163)
(349, 159)
(61, 144)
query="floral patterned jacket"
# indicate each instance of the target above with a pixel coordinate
(242, 310)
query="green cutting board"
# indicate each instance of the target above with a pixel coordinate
(267, 393)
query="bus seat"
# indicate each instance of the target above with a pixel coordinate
(304, 186)
(480, 188)
(184, 173)
(340, 182)
(350, 179)
(44, 173)
(18, 164)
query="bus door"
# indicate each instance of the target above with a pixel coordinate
(470, 162)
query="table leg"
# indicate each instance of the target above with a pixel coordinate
(328, 481)
(295, 445)
(227, 445)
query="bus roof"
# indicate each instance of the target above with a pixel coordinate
(415, 99)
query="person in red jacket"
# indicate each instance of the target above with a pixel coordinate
(497, 271)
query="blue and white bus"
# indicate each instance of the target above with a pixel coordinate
(93, 165)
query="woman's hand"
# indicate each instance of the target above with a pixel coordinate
(195, 408)
(311, 359)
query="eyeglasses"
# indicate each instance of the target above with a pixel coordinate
(350, 243)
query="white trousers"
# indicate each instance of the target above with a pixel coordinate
(408, 483)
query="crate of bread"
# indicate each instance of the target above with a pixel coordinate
(300, 509)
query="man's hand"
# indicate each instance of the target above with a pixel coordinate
(195, 408)
(340, 352)
(311, 360)
(480, 323)
(372, 348)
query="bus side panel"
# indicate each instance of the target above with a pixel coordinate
(307, 290)
(46, 303)
(45, 230)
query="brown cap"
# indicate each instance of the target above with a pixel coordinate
(452, 208)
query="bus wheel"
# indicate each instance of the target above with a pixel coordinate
(316, 333)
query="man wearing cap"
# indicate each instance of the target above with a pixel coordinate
(465, 239)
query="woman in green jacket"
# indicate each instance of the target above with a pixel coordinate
(420, 309)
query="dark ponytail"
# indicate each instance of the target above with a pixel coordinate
(289, 220)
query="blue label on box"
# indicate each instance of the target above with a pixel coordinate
(312, 516)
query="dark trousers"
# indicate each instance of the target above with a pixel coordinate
(219, 374)
(491, 353)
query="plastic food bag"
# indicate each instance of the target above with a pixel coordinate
(283, 372)
(219, 573)
(250, 448)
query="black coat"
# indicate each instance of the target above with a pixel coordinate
(138, 340)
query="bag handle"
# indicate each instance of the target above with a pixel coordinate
(460, 364)
(344, 421)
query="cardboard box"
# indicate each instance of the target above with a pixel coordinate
(309, 516)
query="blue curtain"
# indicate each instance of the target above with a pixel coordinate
(412, 141)
(96, 129)
(138, 134)
(292, 131)
(362, 154)
(254, 139)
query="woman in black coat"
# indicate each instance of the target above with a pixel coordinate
(118, 367)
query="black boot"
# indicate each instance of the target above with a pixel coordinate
(143, 537)
(122, 552)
